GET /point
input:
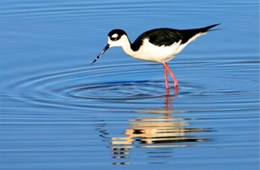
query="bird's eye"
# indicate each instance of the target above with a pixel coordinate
(114, 37)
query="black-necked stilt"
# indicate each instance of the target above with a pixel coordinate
(158, 45)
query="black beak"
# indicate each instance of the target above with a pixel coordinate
(101, 53)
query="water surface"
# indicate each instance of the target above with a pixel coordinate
(59, 112)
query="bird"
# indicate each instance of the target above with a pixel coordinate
(157, 45)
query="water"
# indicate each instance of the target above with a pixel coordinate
(58, 112)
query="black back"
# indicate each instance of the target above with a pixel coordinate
(167, 36)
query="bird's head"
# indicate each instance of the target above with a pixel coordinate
(116, 38)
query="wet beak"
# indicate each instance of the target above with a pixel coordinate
(101, 53)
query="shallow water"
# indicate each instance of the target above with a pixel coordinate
(59, 112)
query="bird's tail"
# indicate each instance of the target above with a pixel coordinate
(208, 28)
(191, 34)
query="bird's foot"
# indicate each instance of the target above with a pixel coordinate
(176, 89)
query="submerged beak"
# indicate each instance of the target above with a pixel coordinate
(101, 53)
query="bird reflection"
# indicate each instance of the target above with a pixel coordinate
(162, 130)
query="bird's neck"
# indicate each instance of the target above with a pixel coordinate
(126, 46)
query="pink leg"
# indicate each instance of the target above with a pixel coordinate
(175, 81)
(165, 77)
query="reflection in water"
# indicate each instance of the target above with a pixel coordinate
(160, 131)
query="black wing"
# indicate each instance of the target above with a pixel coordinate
(167, 36)
(159, 37)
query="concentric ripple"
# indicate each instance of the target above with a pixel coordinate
(74, 88)
(92, 87)
(116, 90)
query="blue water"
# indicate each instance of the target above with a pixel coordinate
(59, 112)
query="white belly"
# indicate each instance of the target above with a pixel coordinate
(155, 53)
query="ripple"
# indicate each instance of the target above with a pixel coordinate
(55, 10)
(97, 87)
(79, 9)
(117, 90)
(69, 89)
